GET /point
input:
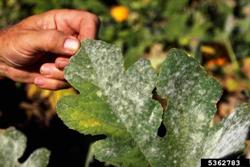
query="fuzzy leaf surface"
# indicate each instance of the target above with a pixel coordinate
(113, 102)
(192, 96)
(118, 103)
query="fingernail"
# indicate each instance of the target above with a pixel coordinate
(71, 44)
(45, 70)
(39, 81)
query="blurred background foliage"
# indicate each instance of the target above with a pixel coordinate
(215, 32)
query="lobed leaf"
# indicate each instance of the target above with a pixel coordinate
(192, 96)
(118, 103)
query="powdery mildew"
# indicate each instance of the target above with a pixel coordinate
(126, 98)
(12, 146)
(192, 97)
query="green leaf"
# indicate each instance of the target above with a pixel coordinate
(176, 27)
(12, 146)
(192, 97)
(172, 7)
(128, 97)
(118, 103)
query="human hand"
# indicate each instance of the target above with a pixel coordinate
(37, 49)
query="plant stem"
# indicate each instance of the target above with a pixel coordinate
(231, 53)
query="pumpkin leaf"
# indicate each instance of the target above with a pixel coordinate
(192, 96)
(118, 103)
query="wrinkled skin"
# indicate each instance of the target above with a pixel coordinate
(37, 49)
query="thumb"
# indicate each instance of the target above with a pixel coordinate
(54, 41)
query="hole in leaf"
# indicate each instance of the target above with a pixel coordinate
(162, 131)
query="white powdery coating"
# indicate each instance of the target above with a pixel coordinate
(99, 93)
(10, 149)
(119, 86)
(129, 93)
(191, 95)
(229, 139)
(12, 146)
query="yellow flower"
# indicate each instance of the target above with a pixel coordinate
(119, 13)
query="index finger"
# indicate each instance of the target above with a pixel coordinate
(80, 23)
(83, 23)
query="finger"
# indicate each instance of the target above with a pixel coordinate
(49, 70)
(82, 23)
(89, 27)
(33, 77)
(61, 62)
(52, 41)
(49, 83)
(18, 75)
